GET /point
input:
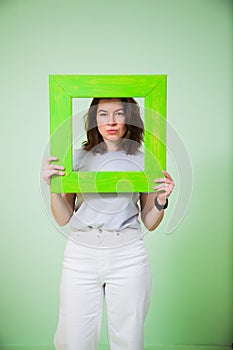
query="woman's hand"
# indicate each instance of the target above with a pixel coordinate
(165, 188)
(51, 169)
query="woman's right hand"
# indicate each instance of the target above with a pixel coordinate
(51, 169)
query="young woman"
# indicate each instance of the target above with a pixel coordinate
(105, 256)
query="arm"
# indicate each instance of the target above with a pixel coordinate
(62, 205)
(150, 215)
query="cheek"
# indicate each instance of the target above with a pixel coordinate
(123, 128)
(101, 129)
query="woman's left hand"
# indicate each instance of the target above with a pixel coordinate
(165, 188)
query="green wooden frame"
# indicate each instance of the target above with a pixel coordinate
(62, 88)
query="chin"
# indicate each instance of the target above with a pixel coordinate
(112, 138)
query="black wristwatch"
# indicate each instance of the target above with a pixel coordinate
(160, 207)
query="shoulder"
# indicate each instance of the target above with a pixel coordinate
(78, 157)
(79, 152)
(138, 158)
(139, 154)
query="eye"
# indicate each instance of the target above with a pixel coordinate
(103, 115)
(119, 114)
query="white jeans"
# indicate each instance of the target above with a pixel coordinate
(103, 265)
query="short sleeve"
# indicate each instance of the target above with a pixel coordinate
(78, 155)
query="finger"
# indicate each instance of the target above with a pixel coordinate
(56, 167)
(50, 159)
(164, 179)
(165, 191)
(59, 172)
(54, 172)
(163, 187)
(167, 174)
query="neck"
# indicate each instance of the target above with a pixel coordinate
(112, 145)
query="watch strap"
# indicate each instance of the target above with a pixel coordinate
(159, 206)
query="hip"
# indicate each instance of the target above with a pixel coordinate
(100, 238)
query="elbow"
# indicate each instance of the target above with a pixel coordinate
(62, 222)
(151, 226)
(148, 226)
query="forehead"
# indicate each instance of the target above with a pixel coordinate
(112, 104)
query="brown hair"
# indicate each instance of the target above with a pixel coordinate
(133, 123)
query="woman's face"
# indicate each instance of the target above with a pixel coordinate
(111, 119)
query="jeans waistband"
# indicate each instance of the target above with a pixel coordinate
(102, 238)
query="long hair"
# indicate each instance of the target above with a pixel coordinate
(130, 141)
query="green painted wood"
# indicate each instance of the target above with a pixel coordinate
(65, 87)
(155, 126)
(107, 181)
(108, 85)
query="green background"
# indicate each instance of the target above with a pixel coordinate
(191, 42)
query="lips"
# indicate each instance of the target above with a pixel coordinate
(111, 131)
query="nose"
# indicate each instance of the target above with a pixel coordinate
(111, 119)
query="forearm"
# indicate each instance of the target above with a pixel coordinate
(60, 209)
(152, 218)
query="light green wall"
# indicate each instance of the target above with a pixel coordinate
(191, 41)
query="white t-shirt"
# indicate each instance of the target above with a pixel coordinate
(111, 211)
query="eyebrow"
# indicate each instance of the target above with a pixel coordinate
(120, 109)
